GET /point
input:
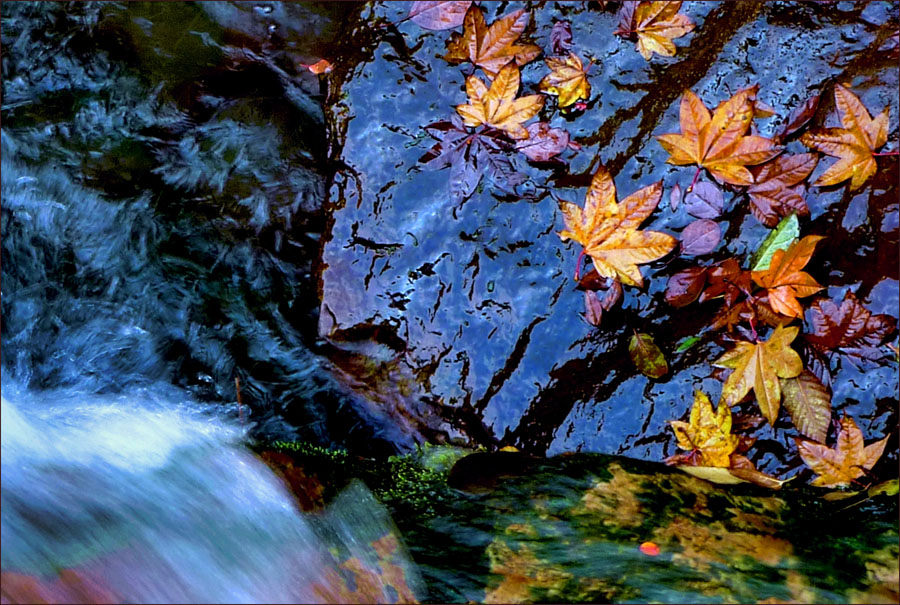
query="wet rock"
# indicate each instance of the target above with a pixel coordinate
(475, 298)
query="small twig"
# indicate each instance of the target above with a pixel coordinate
(237, 388)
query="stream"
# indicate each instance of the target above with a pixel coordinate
(255, 350)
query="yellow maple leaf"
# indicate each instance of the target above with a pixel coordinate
(491, 47)
(849, 460)
(567, 79)
(608, 230)
(758, 366)
(784, 279)
(719, 142)
(708, 432)
(498, 106)
(854, 144)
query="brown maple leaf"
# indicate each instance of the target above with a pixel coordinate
(655, 24)
(491, 47)
(854, 144)
(608, 230)
(567, 80)
(784, 279)
(498, 106)
(775, 192)
(850, 328)
(719, 142)
(758, 366)
(849, 460)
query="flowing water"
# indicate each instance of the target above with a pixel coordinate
(145, 497)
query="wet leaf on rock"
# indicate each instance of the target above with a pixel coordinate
(593, 309)
(704, 201)
(498, 106)
(561, 38)
(646, 356)
(567, 80)
(798, 118)
(808, 402)
(853, 144)
(849, 328)
(776, 192)
(543, 142)
(685, 286)
(846, 462)
(758, 366)
(491, 47)
(675, 197)
(655, 24)
(718, 141)
(700, 237)
(438, 15)
(787, 231)
(608, 230)
(726, 279)
(708, 433)
(784, 279)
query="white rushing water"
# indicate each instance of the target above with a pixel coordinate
(139, 499)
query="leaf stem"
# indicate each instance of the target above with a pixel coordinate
(694, 182)
(886, 153)
(578, 264)
(237, 388)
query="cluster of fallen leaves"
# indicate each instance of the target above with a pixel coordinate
(768, 294)
(761, 296)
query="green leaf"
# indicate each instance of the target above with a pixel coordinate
(687, 343)
(787, 231)
(647, 356)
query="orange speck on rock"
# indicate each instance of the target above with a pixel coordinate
(649, 548)
(320, 67)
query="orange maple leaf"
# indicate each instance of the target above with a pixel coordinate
(656, 24)
(758, 366)
(854, 144)
(498, 106)
(719, 142)
(608, 230)
(491, 47)
(784, 279)
(567, 79)
(849, 460)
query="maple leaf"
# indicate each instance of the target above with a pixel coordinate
(719, 142)
(775, 194)
(491, 47)
(854, 144)
(567, 79)
(469, 156)
(655, 24)
(849, 327)
(849, 460)
(608, 230)
(758, 366)
(784, 279)
(498, 106)
(708, 433)
(726, 279)
(543, 142)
